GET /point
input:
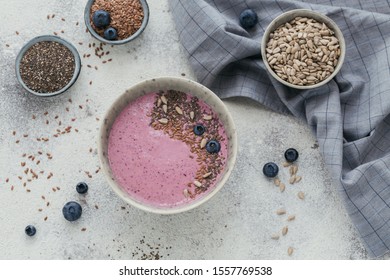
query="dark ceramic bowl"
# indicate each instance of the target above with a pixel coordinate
(87, 19)
(48, 38)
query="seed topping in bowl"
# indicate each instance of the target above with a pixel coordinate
(303, 51)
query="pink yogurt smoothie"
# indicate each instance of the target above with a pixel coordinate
(153, 168)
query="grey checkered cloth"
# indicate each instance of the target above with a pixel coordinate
(349, 115)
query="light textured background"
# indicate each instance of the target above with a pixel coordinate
(236, 224)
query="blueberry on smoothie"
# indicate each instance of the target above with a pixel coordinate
(270, 169)
(81, 188)
(101, 18)
(248, 19)
(30, 230)
(110, 33)
(199, 129)
(213, 146)
(291, 155)
(72, 211)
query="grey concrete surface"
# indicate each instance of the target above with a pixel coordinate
(236, 224)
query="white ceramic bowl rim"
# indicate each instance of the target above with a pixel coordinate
(48, 38)
(287, 16)
(150, 85)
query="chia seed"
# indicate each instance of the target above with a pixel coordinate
(47, 67)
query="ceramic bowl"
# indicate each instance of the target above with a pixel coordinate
(46, 38)
(290, 15)
(155, 85)
(87, 19)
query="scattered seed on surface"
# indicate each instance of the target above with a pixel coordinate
(281, 211)
(301, 195)
(198, 184)
(277, 182)
(285, 230)
(282, 187)
(290, 251)
(275, 236)
(203, 143)
(297, 179)
(291, 218)
(286, 164)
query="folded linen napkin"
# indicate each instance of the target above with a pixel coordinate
(349, 115)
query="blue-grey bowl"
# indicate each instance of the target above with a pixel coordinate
(46, 38)
(87, 19)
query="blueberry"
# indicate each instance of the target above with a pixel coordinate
(270, 169)
(110, 33)
(248, 18)
(72, 211)
(291, 155)
(30, 230)
(199, 129)
(213, 146)
(101, 18)
(82, 187)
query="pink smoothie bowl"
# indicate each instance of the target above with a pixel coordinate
(160, 84)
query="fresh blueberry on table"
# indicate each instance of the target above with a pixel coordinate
(82, 188)
(199, 129)
(110, 33)
(248, 18)
(101, 18)
(72, 211)
(30, 230)
(270, 169)
(213, 146)
(291, 155)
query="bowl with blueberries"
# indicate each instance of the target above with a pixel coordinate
(116, 22)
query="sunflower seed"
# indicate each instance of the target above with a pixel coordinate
(203, 143)
(286, 164)
(206, 175)
(192, 115)
(159, 102)
(163, 121)
(290, 250)
(179, 110)
(197, 183)
(207, 117)
(281, 211)
(292, 180)
(165, 108)
(276, 182)
(285, 230)
(301, 195)
(164, 99)
(186, 193)
(297, 178)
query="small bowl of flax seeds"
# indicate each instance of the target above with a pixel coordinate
(116, 22)
(47, 65)
(303, 49)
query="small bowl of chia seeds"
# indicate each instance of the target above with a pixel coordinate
(47, 65)
(116, 22)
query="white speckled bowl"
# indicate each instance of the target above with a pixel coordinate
(290, 15)
(167, 83)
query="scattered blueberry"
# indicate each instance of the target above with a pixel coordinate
(248, 19)
(110, 33)
(82, 187)
(270, 169)
(213, 146)
(291, 155)
(199, 129)
(30, 230)
(72, 211)
(101, 18)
